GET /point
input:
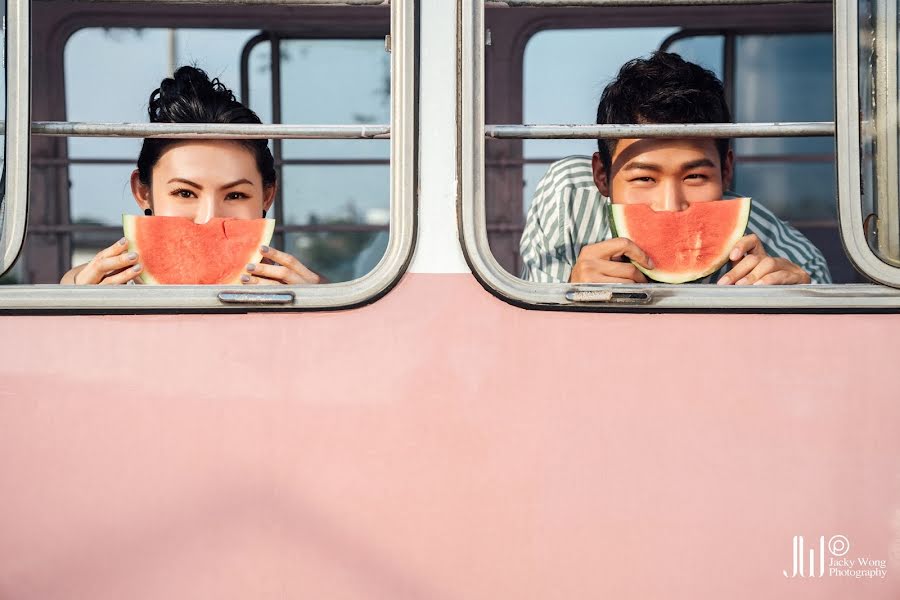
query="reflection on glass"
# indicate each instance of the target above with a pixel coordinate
(339, 189)
(339, 255)
(780, 78)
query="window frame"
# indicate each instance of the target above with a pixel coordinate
(17, 131)
(648, 297)
(361, 291)
(847, 78)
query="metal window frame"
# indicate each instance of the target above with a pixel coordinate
(366, 289)
(652, 297)
(850, 198)
(13, 211)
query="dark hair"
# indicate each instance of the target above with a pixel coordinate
(190, 97)
(664, 88)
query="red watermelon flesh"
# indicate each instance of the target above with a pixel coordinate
(684, 245)
(175, 250)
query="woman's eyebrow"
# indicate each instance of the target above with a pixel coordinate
(234, 183)
(187, 181)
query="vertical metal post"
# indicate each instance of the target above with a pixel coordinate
(277, 143)
(18, 134)
(887, 157)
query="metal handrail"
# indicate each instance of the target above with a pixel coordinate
(689, 130)
(207, 130)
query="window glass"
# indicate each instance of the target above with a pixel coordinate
(99, 190)
(705, 50)
(334, 194)
(564, 74)
(338, 190)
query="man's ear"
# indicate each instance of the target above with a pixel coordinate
(728, 170)
(269, 195)
(140, 191)
(601, 177)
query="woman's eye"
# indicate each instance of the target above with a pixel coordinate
(236, 196)
(181, 193)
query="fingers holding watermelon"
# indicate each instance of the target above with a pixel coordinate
(603, 263)
(279, 268)
(751, 265)
(111, 266)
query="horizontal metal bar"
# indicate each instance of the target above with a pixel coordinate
(208, 130)
(117, 230)
(258, 2)
(545, 3)
(690, 130)
(327, 162)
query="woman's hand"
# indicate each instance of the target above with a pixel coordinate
(111, 266)
(281, 268)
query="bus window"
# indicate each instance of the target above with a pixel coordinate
(345, 205)
(783, 126)
(866, 38)
(335, 207)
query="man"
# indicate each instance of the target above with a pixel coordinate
(567, 236)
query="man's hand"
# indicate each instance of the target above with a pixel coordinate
(750, 265)
(603, 263)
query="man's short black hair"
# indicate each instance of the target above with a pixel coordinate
(662, 89)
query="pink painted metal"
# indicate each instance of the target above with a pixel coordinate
(443, 444)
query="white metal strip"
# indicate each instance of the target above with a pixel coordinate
(18, 108)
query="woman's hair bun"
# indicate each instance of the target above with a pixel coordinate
(191, 97)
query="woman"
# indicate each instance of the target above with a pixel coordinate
(199, 179)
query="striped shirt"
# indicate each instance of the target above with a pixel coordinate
(568, 212)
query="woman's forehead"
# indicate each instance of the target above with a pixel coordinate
(208, 159)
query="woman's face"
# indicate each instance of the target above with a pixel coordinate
(205, 179)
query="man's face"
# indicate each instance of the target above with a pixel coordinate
(667, 175)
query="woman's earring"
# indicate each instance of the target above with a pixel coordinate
(264, 214)
(148, 212)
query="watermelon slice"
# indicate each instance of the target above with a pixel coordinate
(175, 250)
(684, 245)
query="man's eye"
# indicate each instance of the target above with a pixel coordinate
(697, 177)
(643, 179)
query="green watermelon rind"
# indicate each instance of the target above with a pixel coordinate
(128, 227)
(619, 229)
